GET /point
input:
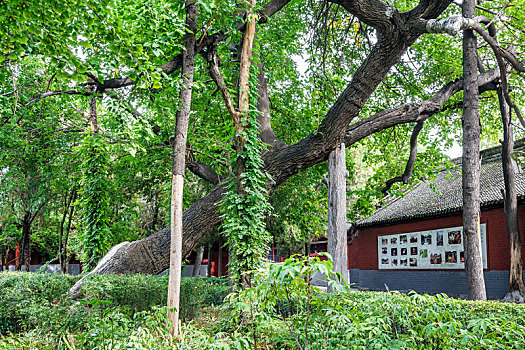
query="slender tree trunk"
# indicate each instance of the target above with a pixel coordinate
(336, 233)
(511, 201)
(179, 164)
(63, 253)
(2, 254)
(67, 203)
(2, 257)
(198, 261)
(24, 256)
(210, 250)
(7, 261)
(219, 259)
(471, 163)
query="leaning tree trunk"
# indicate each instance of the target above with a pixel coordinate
(516, 290)
(471, 163)
(179, 165)
(336, 232)
(151, 254)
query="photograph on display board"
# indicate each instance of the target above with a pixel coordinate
(454, 237)
(426, 239)
(439, 238)
(435, 249)
(435, 258)
(451, 257)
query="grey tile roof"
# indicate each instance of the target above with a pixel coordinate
(423, 202)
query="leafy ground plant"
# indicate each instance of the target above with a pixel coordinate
(284, 310)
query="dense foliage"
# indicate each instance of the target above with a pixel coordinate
(35, 312)
(40, 301)
(307, 52)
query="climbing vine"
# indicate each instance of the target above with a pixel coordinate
(94, 200)
(245, 204)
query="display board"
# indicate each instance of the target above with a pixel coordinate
(435, 249)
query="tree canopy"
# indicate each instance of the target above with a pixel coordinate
(363, 72)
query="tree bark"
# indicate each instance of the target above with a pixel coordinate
(25, 246)
(69, 199)
(61, 231)
(336, 232)
(198, 261)
(2, 256)
(219, 259)
(179, 164)
(511, 201)
(471, 163)
(209, 255)
(65, 259)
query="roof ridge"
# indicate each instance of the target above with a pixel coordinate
(488, 154)
(422, 201)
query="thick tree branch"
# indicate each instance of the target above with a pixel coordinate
(55, 93)
(201, 169)
(374, 13)
(414, 112)
(266, 132)
(454, 24)
(411, 160)
(216, 75)
(386, 52)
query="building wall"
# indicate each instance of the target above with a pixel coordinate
(363, 262)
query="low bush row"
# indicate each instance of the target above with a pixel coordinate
(29, 301)
(282, 311)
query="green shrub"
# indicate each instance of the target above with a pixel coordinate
(29, 300)
(24, 297)
(120, 312)
(135, 293)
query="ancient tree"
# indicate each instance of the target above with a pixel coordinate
(389, 32)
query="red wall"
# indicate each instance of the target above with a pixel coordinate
(363, 249)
